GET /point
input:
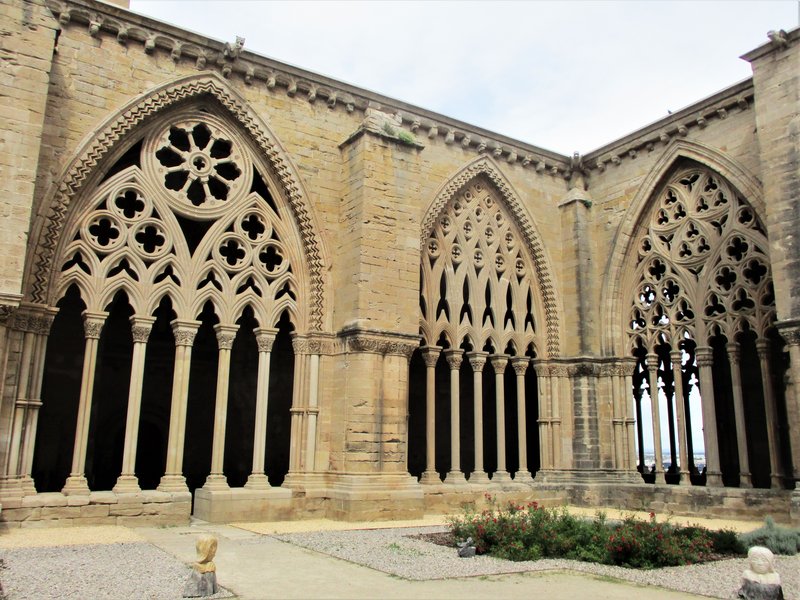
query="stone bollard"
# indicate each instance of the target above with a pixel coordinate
(203, 578)
(761, 581)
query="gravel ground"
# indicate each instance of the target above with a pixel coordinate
(395, 551)
(97, 571)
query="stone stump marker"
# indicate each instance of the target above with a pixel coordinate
(761, 581)
(203, 578)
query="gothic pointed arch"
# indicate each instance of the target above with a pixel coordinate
(478, 220)
(614, 301)
(103, 149)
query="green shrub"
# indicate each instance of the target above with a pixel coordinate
(781, 540)
(531, 532)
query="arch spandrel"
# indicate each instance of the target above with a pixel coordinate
(618, 274)
(530, 255)
(102, 149)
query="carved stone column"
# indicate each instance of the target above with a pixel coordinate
(776, 468)
(790, 331)
(431, 356)
(559, 384)
(614, 372)
(499, 363)
(652, 367)
(226, 334)
(738, 412)
(76, 483)
(520, 365)
(299, 409)
(184, 333)
(545, 432)
(676, 357)
(24, 323)
(127, 481)
(265, 338)
(42, 325)
(630, 421)
(705, 361)
(477, 360)
(454, 358)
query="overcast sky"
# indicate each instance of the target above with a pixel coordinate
(564, 76)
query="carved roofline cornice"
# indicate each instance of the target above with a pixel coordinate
(702, 114)
(130, 27)
(778, 40)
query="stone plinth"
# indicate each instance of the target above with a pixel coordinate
(243, 504)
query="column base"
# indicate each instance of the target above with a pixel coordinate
(76, 485)
(172, 483)
(745, 481)
(501, 477)
(776, 482)
(455, 478)
(10, 491)
(523, 477)
(27, 485)
(713, 479)
(478, 477)
(430, 477)
(216, 481)
(127, 484)
(257, 481)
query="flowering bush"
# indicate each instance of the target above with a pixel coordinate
(531, 532)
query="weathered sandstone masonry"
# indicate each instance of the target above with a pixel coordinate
(245, 291)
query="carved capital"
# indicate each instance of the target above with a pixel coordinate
(6, 314)
(557, 370)
(520, 365)
(704, 356)
(454, 358)
(542, 368)
(430, 354)
(404, 349)
(651, 360)
(676, 356)
(583, 369)
(763, 347)
(93, 324)
(225, 336)
(140, 328)
(184, 332)
(790, 331)
(477, 360)
(499, 363)
(265, 338)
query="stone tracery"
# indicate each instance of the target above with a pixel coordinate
(702, 279)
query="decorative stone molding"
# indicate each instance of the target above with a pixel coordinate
(375, 341)
(700, 115)
(134, 115)
(790, 331)
(486, 168)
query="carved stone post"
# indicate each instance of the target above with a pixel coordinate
(559, 384)
(676, 356)
(738, 412)
(477, 360)
(630, 411)
(776, 468)
(430, 355)
(520, 365)
(225, 337)
(76, 483)
(454, 358)
(127, 481)
(24, 324)
(313, 410)
(499, 363)
(652, 367)
(265, 338)
(705, 361)
(184, 333)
